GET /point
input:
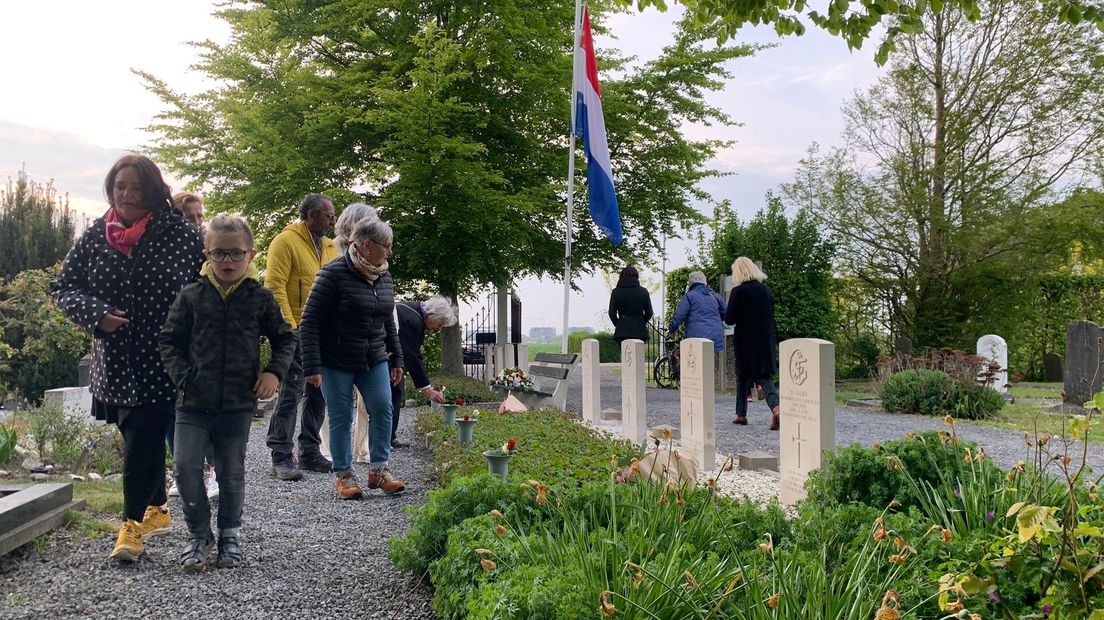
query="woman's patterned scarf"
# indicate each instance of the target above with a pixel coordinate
(120, 236)
(368, 271)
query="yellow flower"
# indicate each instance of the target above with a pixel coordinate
(879, 529)
(772, 602)
(666, 433)
(484, 552)
(1044, 439)
(894, 504)
(910, 435)
(948, 420)
(969, 456)
(898, 558)
(1027, 440)
(767, 546)
(953, 607)
(534, 483)
(496, 514)
(728, 464)
(499, 530)
(487, 565)
(885, 612)
(899, 543)
(980, 455)
(541, 499)
(1066, 460)
(876, 446)
(638, 578)
(690, 581)
(975, 616)
(947, 535)
(711, 483)
(606, 607)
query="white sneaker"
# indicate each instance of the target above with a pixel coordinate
(212, 486)
(174, 491)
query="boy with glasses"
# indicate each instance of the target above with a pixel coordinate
(211, 348)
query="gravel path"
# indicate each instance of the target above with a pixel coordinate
(853, 425)
(307, 555)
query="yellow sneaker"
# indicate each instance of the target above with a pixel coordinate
(128, 546)
(155, 521)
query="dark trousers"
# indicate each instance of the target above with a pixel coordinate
(745, 384)
(225, 434)
(281, 427)
(396, 404)
(170, 438)
(143, 430)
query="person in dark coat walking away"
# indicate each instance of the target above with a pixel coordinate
(751, 315)
(630, 307)
(117, 283)
(702, 310)
(211, 347)
(349, 339)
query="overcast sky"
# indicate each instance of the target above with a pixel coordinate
(71, 105)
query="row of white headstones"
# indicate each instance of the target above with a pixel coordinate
(806, 387)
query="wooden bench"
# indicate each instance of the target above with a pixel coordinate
(549, 372)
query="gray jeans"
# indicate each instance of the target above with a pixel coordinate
(281, 428)
(226, 434)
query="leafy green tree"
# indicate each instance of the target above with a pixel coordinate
(453, 115)
(36, 226)
(855, 21)
(794, 255)
(39, 347)
(938, 198)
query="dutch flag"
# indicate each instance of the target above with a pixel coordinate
(590, 125)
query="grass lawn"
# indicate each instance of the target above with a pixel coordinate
(542, 347)
(849, 390)
(1037, 390)
(103, 509)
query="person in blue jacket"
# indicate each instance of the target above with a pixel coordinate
(702, 311)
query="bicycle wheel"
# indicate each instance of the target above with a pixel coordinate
(664, 374)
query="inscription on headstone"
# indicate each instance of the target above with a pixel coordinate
(697, 404)
(808, 404)
(634, 418)
(993, 348)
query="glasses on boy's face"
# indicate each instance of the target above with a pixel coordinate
(220, 256)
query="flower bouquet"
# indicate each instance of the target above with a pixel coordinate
(498, 459)
(513, 380)
(453, 400)
(467, 427)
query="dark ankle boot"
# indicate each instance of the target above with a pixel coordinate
(775, 423)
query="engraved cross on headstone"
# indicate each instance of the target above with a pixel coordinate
(690, 417)
(800, 440)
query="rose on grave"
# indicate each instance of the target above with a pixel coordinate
(506, 449)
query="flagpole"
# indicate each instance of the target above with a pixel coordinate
(570, 179)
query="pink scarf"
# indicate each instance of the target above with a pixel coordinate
(121, 237)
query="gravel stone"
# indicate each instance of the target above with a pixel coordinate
(307, 555)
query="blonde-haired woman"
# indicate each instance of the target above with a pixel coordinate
(751, 314)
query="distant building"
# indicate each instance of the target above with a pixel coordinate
(542, 334)
(585, 330)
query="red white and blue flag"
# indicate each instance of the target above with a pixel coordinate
(591, 126)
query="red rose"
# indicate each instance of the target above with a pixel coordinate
(466, 418)
(510, 445)
(459, 401)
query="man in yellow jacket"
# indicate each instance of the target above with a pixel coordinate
(294, 258)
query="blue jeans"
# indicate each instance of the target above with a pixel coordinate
(227, 434)
(374, 386)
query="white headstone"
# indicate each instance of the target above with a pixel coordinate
(993, 348)
(698, 422)
(634, 417)
(592, 381)
(522, 360)
(807, 377)
(489, 370)
(76, 402)
(504, 357)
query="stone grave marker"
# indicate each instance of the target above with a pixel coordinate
(634, 417)
(698, 407)
(993, 348)
(1083, 361)
(76, 402)
(902, 347)
(592, 381)
(1052, 367)
(807, 371)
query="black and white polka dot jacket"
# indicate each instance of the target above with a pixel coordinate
(95, 278)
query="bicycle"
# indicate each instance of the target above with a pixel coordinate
(667, 366)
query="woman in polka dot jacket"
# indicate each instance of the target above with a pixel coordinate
(118, 283)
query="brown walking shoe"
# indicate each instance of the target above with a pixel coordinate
(775, 422)
(740, 420)
(347, 486)
(383, 479)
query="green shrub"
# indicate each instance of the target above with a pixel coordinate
(608, 351)
(9, 437)
(472, 390)
(103, 450)
(58, 436)
(934, 392)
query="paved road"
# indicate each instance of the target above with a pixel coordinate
(852, 424)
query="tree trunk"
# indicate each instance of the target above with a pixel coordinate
(452, 355)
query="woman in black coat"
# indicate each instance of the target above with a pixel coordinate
(630, 307)
(118, 283)
(751, 314)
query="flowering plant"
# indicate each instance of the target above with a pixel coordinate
(514, 379)
(473, 416)
(452, 397)
(506, 449)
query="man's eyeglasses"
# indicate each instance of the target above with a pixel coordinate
(220, 256)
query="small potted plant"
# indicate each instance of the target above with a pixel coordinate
(453, 401)
(466, 423)
(498, 459)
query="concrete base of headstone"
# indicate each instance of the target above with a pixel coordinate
(611, 415)
(757, 460)
(32, 511)
(656, 432)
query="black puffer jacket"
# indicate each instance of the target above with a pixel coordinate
(212, 347)
(630, 309)
(95, 278)
(347, 323)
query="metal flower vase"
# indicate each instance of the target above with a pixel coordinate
(450, 414)
(467, 430)
(498, 464)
